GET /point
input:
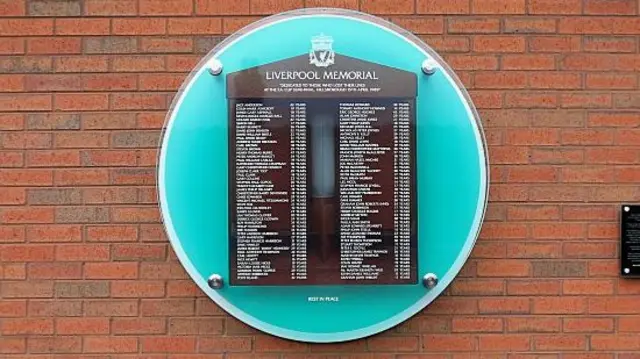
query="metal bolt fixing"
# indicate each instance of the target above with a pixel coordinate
(215, 68)
(215, 281)
(430, 280)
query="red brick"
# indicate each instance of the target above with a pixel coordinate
(12, 7)
(534, 250)
(108, 158)
(138, 101)
(564, 342)
(140, 26)
(396, 343)
(562, 44)
(81, 177)
(15, 271)
(55, 344)
(12, 234)
(589, 325)
(590, 250)
(59, 158)
(195, 26)
(554, 7)
(110, 7)
(528, 62)
(613, 119)
(585, 100)
(505, 342)
(588, 213)
(81, 102)
(182, 288)
(110, 344)
(615, 342)
(557, 156)
(10, 122)
(160, 82)
(129, 326)
(610, 7)
(487, 99)
(487, 43)
(48, 45)
(531, 174)
(448, 343)
(137, 289)
(587, 137)
(81, 64)
(25, 102)
(534, 287)
(270, 7)
(26, 27)
(112, 233)
(554, 80)
(533, 325)
(225, 345)
(82, 26)
(529, 25)
(347, 4)
(473, 25)
(443, 7)
(530, 100)
(602, 231)
(558, 231)
(12, 46)
(559, 305)
(233, 24)
(82, 252)
(448, 44)
(587, 174)
(587, 287)
(222, 7)
(498, 7)
(168, 344)
(26, 326)
(628, 137)
(111, 270)
(508, 305)
(54, 270)
(533, 213)
(12, 83)
(82, 326)
(628, 324)
(165, 45)
(165, 7)
(475, 286)
(13, 308)
(477, 325)
(26, 215)
(13, 196)
(130, 214)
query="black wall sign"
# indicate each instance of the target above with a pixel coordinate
(630, 241)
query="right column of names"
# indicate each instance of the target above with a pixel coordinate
(402, 190)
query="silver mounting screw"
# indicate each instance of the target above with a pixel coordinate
(627, 270)
(215, 281)
(215, 67)
(429, 67)
(627, 209)
(430, 280)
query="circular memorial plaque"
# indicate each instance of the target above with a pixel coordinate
(322, 175)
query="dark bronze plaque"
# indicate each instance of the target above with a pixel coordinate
(322, 174)
(630, 241)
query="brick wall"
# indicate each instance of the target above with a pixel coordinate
(86, 272)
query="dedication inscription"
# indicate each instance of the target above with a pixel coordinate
(322, 179)
(630, 245)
